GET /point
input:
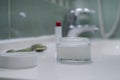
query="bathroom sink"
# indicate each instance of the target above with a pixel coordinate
(105, 62)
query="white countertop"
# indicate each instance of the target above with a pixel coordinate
(103, 67)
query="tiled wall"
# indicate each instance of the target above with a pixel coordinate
(34, 17)
(27, 18)
(4, 28)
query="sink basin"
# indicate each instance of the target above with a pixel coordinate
(108, 47)
(105, 62)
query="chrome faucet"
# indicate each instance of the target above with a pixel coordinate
(77, 22)
(75, 32)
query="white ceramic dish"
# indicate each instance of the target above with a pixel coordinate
(18, 60)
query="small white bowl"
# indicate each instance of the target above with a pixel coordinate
(18, 60)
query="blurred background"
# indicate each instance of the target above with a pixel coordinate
(31, 18)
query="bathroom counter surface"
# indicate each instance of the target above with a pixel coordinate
(105, 65)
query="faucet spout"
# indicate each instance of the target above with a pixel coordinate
(76, 31)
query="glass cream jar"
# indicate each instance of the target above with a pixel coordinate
(73, 50)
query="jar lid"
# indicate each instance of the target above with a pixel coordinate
(74, 41)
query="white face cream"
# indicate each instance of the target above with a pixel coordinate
(73, 50)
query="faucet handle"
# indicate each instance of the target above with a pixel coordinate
(79, 11)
